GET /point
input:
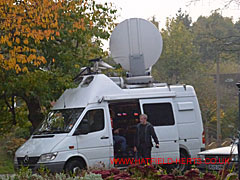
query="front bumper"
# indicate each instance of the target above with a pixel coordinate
(54, 167)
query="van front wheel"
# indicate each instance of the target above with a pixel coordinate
(74, 166)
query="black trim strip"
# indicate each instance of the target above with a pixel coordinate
(44, 136)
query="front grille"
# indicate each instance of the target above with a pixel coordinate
(31, 160)
(217, 158)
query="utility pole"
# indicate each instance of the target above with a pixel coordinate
(218, 104)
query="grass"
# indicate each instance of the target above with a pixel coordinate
(6, 162)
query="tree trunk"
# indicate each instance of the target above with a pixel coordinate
(35, 115)
(11, 107)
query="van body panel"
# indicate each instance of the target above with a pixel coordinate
(84, 95)
(138, 96)
(38, 146)
(188, 131)
(69, 143)
(189, 124)
(167, 135)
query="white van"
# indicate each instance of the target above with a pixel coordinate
(78, 131)
(62, 142)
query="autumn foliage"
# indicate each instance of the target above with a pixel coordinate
(43, 45)
(26, 23)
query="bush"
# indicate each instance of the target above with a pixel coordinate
(22, 133)
(134, 172)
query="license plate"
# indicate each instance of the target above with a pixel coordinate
(215, 167)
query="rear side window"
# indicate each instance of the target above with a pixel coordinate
(159, 114)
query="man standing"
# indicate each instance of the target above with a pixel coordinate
(143, 137)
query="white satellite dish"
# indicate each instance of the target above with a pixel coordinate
(136, 44)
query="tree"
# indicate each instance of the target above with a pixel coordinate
(184, 18)
(215, 35)
(227, 3)
(179, 56)
(43, 45)
(188, 57)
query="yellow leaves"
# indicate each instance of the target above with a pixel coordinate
(25, 69)
(77, 66)
(2, 40)
(31, 57)
(33, 50)
(12, 62)
(1, 57)
(43, 20)
(17, 68)
(57, 33)
(9, 43)
(25, 41)
(27, 24)
(42, 59)
(17, 40)
(44, 25)
(17, 33)
(17, 49)
(39, 60)
(21, 58)
(47, 34)
(79, 25)
(19, 20)
(91, 24)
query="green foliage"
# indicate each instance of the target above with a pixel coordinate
(13, 140)
(214, 35)
(6, 162)
(189, 56)
(134, 172)
(179, 58)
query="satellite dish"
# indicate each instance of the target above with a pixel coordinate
(136, 44)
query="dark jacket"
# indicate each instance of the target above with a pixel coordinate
(149, 134)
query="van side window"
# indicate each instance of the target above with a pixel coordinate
(159, 114)
(95, 120)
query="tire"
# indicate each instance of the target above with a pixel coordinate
(180, 166)
(74, 166)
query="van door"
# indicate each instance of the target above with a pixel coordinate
(95, 145)
(161, 115)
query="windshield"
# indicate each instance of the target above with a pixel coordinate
(59, 121)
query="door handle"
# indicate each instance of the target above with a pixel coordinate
(104, 137)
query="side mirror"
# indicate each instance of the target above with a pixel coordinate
(83, 128)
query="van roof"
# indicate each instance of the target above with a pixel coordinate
(99, 87)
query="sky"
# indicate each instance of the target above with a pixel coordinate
(162, 9)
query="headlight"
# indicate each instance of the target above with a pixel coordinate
(234, 157)
(202, 157)
(48, 157)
